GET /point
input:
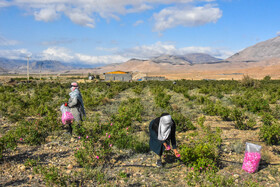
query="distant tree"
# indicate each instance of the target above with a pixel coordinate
(267, 78)
(249, 82)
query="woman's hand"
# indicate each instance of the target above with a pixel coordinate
(176, 153)
(167, 147)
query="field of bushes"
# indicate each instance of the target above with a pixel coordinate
(214, 120)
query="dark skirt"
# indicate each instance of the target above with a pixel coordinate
(157, 145)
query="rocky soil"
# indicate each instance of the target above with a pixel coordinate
(126, 168)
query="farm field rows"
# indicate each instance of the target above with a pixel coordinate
(214, 121)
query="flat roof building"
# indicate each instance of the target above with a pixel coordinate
(118, 76)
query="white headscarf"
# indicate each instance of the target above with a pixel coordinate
(164, 127)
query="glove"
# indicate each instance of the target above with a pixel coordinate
(65, 104)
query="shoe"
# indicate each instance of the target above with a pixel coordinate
(159, 163)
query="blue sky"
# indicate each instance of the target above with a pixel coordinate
(112, 31)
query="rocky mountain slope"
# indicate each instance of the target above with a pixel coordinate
(12, 65)
(261, 51)
(19, 66)
(2, 71)
(49, 65)
(164, 63)
(188, 59)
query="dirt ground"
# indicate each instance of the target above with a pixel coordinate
(130, 169)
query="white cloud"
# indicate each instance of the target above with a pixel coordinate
(47, 14)
(15, 54)
(66, 55)
(108, 59)
(138, 23)
(4, 4)
(85, 12)
(141, 52)
(159, 48)
(81, 18)
(186, 16)
(57, 53)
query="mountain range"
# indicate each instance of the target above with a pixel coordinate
(20, 66)
(265, 54)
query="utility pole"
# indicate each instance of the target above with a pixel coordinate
(41, 64)
(27, 69)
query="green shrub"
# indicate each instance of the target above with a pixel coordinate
(52, 176)
(267, 78)
(182, 123)
(268, 119)
(202, 99)
(270, 134)
(137, 89)
(257, 104)
(239, 119)
(161, 98)
(202, 153)
(248, 81)
(210, 109)
(251, 123)
(208, 178)
(8, 141)
(200, 121)
(224, 112)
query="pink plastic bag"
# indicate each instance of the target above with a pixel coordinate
(252, 158)
(67, 116)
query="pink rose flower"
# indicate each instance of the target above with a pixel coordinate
(97, 157)
(109, 136)
(87, 137)
(111, 124)
(110, 145)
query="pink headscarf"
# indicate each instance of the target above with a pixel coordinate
(74, 86)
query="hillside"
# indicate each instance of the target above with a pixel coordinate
(49, 65)
(258, 52)
(19, 66)
(164, 63)
(12, 65)
(171, 59)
